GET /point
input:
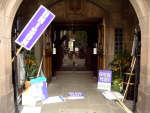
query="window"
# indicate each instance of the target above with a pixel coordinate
(118, 40)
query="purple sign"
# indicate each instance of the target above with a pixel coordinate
(105, 76)
(75, 95)
(104, 79)
(44, 89)
(35, 27)
(39, 91)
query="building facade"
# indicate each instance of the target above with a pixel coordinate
(117, 17)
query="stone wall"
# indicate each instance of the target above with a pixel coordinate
(144, 88)
(7, 13)
(125, 19)
(142, 10)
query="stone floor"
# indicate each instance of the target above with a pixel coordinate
(78, 81)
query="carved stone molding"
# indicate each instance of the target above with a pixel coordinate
(74, 8)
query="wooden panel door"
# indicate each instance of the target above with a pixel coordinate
(48, 65)
(100, 48)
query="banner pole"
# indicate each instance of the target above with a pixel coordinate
(40, 67)
(18, 51)
(122, 105)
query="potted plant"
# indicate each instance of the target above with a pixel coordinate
(31, 67)
(119, 65)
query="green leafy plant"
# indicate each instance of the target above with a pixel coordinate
(31, 67)
(118, 65)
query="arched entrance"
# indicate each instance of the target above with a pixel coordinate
(8, 11)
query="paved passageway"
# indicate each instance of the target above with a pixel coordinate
(78, 81)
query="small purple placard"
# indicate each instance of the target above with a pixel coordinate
(44, 88)
(35, 27)
(105, 76)
(75, 94)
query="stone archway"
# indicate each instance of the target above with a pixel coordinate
(141, 8)
(7, 12)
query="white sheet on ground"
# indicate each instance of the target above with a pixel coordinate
(31, 109)
(108, 95)
(55, 99)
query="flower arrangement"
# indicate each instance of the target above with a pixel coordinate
(118, 65)
(31, 67)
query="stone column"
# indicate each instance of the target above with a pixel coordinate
(7, 12)
(6, 86)
(143, 105)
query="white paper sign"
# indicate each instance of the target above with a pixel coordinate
(54, 51)
(94, 51)
(76, 49)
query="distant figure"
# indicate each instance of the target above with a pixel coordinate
(59, 43)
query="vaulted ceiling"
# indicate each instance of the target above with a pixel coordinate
(91, 10)
(108, 5)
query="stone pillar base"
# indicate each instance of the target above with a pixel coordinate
(7, 103)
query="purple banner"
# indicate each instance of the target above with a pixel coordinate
(44, 88)
(35, 27)
(105, 76)
(75, 94)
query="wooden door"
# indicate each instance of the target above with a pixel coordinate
(48, 65)
(100, 48)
